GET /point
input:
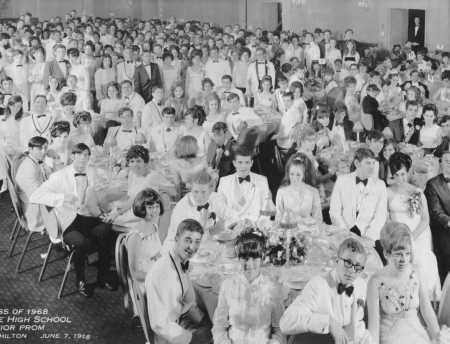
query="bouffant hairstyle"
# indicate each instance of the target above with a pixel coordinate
(250, 244)
(398, 160)
(59, 127)
(395, 236)
(146, 197)
(138, 151)
(300, 159)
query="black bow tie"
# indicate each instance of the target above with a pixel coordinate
(40, 116)
(221, 147)
(185, 266)
(204, 206)
(244, 179)
(61, 61)
(129, 61)
(359, 180)
(19, 65)
(40, 162)
(342, 288)
(127, 131)
(235, 113)
(168, 130)
(260, 62)
(80, 174)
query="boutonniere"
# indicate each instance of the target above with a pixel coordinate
(226, 152)
(360, 303)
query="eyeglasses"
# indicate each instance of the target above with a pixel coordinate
(349, 264)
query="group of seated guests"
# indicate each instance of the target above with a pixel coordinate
(235, 119)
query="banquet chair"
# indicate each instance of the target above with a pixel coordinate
(54, 231)
(122, 268)
(142, 309)
(444, 306)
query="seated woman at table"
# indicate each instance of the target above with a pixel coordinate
(396, 294)
(214, 113)
(144, 243)
(139, 177)
(407, 204)
(82, 132)
(58, 149)
(250, 303)
(125, 135)
(187, 163)
(330, 309)
(193, 121)
(109, 106)
(297, 193)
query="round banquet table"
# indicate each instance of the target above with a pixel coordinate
(214, 262)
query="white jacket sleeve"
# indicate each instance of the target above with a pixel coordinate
(49, 193)
(304, 314)
(162, 312)
(336, 206)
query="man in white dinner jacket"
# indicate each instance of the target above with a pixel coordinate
(174, 315)
(201, 204)
(359, 200)
(67, 190)
(259, 69)
(330, 309)
(245, 192)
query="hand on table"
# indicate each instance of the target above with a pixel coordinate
(338, 333)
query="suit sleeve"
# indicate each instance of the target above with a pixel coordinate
(336, 206)
(26, 179)
(158, 79)
(304, 314)
(137, 82)
(437, 213)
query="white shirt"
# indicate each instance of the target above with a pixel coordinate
(34, 126)
(215, 70)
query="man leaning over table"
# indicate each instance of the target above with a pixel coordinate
(66, 190)
(332, 306)
(173, 313)
(359, 201)
(201, 204)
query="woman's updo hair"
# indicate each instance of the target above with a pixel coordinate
(59, 127)
(146, 197)
(309, 173)
(250, 244)
(395, 236)
(198, 114)
(138, 151)
(398, 160)
(82, 116)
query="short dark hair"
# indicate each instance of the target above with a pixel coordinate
(81, 116)
(145, 197)
(239, 150)
(169, 110)
(138, 151)
(124, 109)
(219, 126)
(189, 225)
(59, 127)
(364, 153)
(198, 114)
(37, 141)
(80, 148)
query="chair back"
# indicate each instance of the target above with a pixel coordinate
(142, 308)
(122, 267)
(444, 305)
(51, 223)
(16, 202)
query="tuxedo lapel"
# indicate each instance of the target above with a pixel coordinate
(443, 191)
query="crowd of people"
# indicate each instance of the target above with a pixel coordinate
(222, 122)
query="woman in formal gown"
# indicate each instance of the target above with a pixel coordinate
(396, 294)
(36, 75)
(58, 152)
(249, 307)
(193, 125)
(408, 205)
(297, 193)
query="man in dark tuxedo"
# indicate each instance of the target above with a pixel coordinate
(58, 68)
(416, 34)
(146, 76)
(218, 154)
(437, 193)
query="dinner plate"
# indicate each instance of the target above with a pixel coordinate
(295, 285)
(225, 236)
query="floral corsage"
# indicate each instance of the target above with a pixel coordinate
(415, 203)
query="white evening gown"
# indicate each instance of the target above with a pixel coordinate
(423, 254)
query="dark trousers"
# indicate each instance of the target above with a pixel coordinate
(311, 338)
(443, 261)
(86, 235)
(377, 247)
(397, 129)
